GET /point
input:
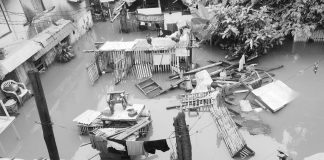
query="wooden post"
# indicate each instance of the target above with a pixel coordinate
(44, 114)
(190, 50)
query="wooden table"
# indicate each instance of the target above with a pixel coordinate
(122, 115)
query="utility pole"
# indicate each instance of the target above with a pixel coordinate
(44, 114)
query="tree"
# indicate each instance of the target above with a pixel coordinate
(253, 27)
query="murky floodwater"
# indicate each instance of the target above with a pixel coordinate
(297, 128)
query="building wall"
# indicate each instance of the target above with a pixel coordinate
(77, 12)
(17, 22)
(82, 25)
(50, 57)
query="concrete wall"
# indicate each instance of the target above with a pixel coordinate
(77, 12)
(82, 25)
(16, 19)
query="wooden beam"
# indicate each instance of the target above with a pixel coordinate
(196, 70)
(90, 51)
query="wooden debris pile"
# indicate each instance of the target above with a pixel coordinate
(241, 88)
(119, 121)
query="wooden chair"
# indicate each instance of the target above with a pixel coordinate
(18, 95)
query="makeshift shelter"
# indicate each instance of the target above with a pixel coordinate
(143, 55)
(150, 17)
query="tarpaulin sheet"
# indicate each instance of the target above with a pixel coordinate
(157, 44)
(149, 11)
(203, 81)
(117, 46)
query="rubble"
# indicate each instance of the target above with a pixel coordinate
(236, 87)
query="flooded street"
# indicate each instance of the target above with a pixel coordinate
(296, 128)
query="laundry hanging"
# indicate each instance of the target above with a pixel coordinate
(161, 59)
(151, 146)
(115, 145)
(135, 148)
(118, 144)
(157, 59)
(141, 147)
(166, 59)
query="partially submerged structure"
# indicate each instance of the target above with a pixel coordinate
(120, 122)
(273, 96)
(143, 55)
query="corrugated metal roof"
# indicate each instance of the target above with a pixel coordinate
(17, 54)
(51, 36)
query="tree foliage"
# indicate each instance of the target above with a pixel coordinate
(254, 27)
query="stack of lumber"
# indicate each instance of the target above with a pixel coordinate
(129, 131)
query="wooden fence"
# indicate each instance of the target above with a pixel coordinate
(233, 139)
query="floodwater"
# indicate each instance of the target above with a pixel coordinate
(297, 128)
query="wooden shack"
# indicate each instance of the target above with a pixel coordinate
(141, 56)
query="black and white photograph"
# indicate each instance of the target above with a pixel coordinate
(161, 79)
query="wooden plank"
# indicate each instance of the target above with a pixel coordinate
(153, 89)
(147, 85)
(131, 130)
(93, 72)
(196, 70)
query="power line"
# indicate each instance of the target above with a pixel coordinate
(75, 12)
(39, 12)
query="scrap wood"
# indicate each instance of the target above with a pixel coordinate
(195, 70)
(269, 69)
(215, 73)
(227, 82)
(98, 43)
(226, 79)
(90, 51)
(240, 91)
(140, 124)
(223, 62)
(173, 107)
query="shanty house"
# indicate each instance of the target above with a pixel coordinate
(30, 30)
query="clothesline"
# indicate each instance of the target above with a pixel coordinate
(77, 131)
